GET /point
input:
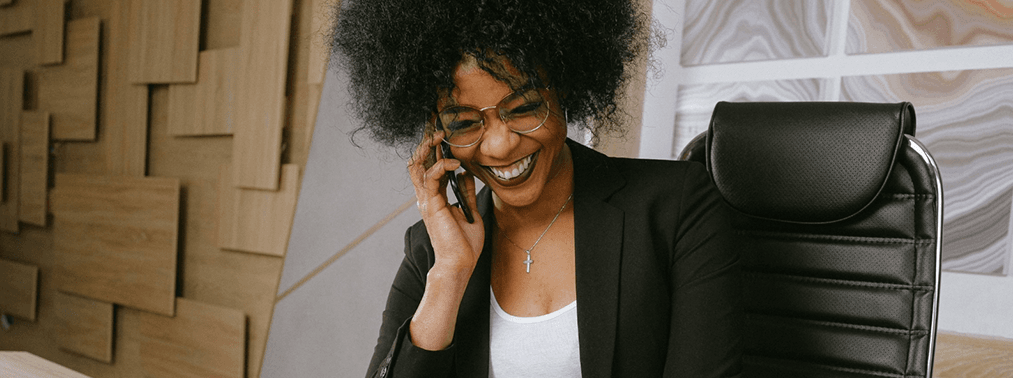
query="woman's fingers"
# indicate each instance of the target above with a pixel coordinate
(431, 182)
(467, 182)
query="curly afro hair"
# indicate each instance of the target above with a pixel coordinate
(401, 54)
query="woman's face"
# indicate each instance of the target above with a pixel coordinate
(517, 167)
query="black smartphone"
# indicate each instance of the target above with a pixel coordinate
(455, 187)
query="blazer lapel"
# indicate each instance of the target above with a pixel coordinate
(598, 234)
(472, 332)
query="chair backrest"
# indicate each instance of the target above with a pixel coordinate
(840, 213)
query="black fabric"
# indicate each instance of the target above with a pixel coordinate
(806, 162)
(657, 280)
(851, 298)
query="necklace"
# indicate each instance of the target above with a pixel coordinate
(528, 261)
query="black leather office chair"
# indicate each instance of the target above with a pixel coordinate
(840, 210)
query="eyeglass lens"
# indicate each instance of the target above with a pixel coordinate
(522, 111)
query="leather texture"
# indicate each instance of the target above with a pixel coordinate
(821, 162)
(852, 297)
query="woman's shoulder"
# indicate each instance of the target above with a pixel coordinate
(664, 175)
(637, 172)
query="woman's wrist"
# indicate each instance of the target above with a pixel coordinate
(432, 327)
(451, 272)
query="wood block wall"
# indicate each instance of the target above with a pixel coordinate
(86, 123)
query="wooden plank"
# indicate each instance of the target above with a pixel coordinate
(70, 91)
(116, 238)
(207, 107)
(85, 327)
(19, 289)
(16, 18)
(27, 365)
(221, 24)
(48, 31)
(125, 105)
(323, 17)
(257, 221)
(244, 281)
(165, 41)
(202, 340)
(11, 100)
(960, 355)
(34, 168)
(264, 39)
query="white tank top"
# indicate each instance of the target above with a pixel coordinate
(537, 346)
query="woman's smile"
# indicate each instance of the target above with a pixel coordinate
(516, 172)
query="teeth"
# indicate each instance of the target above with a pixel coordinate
(514, 170)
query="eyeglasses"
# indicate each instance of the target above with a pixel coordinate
(523, 111)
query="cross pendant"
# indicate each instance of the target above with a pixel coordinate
(528, 262)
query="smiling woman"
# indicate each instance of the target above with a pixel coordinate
(525, 278)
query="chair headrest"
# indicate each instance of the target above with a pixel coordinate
(804, 162)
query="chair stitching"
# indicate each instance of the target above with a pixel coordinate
(907, 195)
(785, 319)
(836, 368)
(839, 282)
(866, 239)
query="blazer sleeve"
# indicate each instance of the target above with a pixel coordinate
(706, 320)
(394, 355)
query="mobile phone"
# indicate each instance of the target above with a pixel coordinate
(455, 187)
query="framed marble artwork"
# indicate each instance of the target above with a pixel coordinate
(696, 102)
(965, 118)
(743, 31)
(877, 26)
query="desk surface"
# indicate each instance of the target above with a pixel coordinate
(27, 365)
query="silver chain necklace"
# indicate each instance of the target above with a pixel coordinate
(528, 261)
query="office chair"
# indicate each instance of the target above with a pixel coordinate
(840, 217)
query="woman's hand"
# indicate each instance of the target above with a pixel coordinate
(456, 244)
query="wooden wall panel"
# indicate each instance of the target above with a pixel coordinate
(16, 18)
(264, 39)
(116, 239)
(3, 151)
(11, 97)
(27, 365)
(257, 221)
(48, 31)
(165, 39)
(220, 24)
(19, 289)
(85, 326)
(125, 105)
(207, 107)
(322, 12)
(70, 91)
(34, 166)
(202, 340)
(244, 281)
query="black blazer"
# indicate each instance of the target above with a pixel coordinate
(658, 286)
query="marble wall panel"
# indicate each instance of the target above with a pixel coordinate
(696, 102)
(741, 31)
(965, 118)
(876, 26)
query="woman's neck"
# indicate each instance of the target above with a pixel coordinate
(556, 192)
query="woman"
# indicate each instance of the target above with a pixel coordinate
(575, 264)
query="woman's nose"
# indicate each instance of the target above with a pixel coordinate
(498, 140)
